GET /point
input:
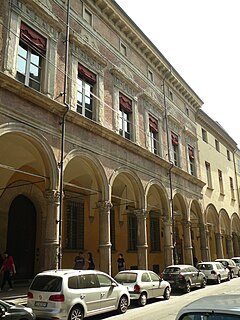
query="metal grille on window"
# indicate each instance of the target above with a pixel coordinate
(74, 238)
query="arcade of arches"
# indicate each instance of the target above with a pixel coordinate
(107, 209)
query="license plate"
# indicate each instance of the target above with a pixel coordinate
(40, 304)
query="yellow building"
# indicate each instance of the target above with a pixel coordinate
(218, 159)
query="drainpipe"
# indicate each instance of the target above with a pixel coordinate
(170, 168)
(63, 123)
(236, 174)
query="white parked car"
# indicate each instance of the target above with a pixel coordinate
(75, 294)
(218, 307)
(236, 260)
(143, 285)
(231, 265)
(214, 271)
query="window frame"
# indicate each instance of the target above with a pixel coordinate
(132, 232)
(155, 228)
(208, 174)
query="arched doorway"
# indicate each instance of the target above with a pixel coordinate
(22, 235)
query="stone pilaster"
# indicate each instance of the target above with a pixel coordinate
(188, 249)
(104, 236)
(219, 245)
(229, 242)
(51, 243)
(142, 238)
(204, 245)
(168, 241)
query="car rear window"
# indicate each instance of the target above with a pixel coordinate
(205, 266)
(208, 316)
(126, 277)
(171, 270)
(47, 284)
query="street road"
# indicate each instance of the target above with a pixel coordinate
(167, 310)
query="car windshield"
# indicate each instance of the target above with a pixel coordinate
(171, 270)
(126, 277)
(47, 283)
(208, 316)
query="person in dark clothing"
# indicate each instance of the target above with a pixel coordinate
(91, 265)
(8, 268)
(121, 262)
(79, 261)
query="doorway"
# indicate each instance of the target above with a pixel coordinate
(21, 236)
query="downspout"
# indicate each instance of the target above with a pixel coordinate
(63, 124)
(170, 169)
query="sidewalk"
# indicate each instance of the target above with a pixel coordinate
(18, 295)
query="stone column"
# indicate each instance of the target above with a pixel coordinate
(168, 242)
(104, 236)
(219, 245)
(188, 249)
(235, 245)
(51, 243)
(229, 242)
(204, 246)
(142, 238)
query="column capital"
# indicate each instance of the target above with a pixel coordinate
(186, 223)
(140, 213)
(104, 205)
(52, 196)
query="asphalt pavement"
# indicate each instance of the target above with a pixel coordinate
(18, 295)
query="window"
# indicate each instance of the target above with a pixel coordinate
(208, 173)
(228, 155)
(220, 178)
(112, 228)
(231, 187)
(170, 94)
(191, 160)
(123, 49)
(153, 134)
(150, 75)
(132, 232)
(187, 111)
(217, 145)
(85, 84)
(31, 50)
(204, 135)
(175, 146)
(87, 16)
(154, 232)
(74, 238)
(125, 116)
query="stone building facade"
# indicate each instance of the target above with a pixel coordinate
(98, 140)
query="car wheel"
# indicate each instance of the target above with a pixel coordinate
(218, 280)
(142, 301)
(231, 275)
(123, 304)
(76, 314)
(239, 273)
(166, 294)
(203, 284)
(228, 277)
(187, 288)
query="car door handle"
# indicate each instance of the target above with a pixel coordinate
(102, 294)
(82, 296)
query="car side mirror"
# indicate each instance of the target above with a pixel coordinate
(113, 284)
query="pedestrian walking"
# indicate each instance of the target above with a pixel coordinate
(79, 261)
(8, 269)
(121, 262)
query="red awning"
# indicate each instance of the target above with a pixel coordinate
(125, 103)
(174, 139)
(87, 74)
(153, 123)
(190, 152)
(33, 38)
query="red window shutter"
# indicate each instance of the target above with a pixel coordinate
(33, 38)
(87, 74)
(191, 153)
(125, 103)
(174, 139)
(153, 123)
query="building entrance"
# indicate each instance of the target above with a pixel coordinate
(21, 236)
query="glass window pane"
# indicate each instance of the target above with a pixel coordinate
(22, 52)
(35, 85)
(34, 72)
(35, 59)
(21, 65)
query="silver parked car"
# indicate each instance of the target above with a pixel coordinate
(143, 285)
(75, 294)
(236, 260)
(218, 307)
(231, 265)
(214, 271)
